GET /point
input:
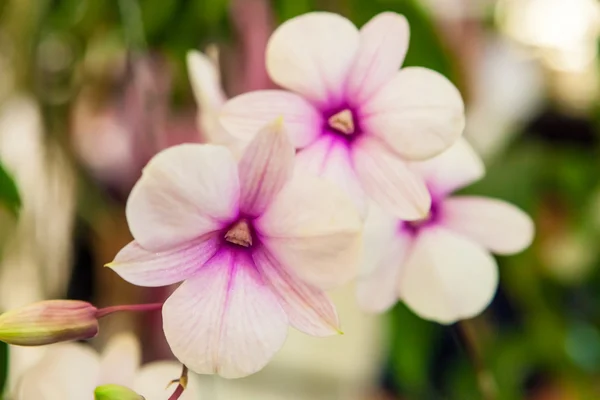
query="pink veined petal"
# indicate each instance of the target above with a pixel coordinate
(448, 277)
(329, 157)
(185, 192)
(419, 114)
(205, 81)
(152, 380)
(68, 371)
(390, 182)
(225, 320)
(455, 168)
(385, 250)
(243, 116)
(383, 46)
(265, 167)
(120, 360)
(312, 54)
(308, 309)
(313, 229)
(495, 224)
(148, 268)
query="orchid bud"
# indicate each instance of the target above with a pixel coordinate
(48, 322)
(115, 392)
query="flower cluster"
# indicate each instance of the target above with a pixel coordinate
(354, 159)
(256, 242)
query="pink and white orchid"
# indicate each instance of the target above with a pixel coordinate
(251, 245)
(441, 266)
(71, 371)
(352, 114)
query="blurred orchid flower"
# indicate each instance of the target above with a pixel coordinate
(250, 244)
(441, 266)
(354, 117)
(206, 85)
(72, 371)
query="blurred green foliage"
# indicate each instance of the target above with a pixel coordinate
(9, 194)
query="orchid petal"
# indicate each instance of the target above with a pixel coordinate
(120, 360)
(385, 249)
(265, 167)
(448, 277)
(308, 309)
(313, 228)
(152, 380)
(329, 158)
(185, 192)
(390, 182)
(68, 371)
(419, 114)
(312, 54)
(383, 46)
(225, 320)
(206, 81)
(455, 168)
(148, 268)
(496, 225)
(247, 113)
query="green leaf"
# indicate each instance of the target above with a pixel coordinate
(3, 366)
(9, 194)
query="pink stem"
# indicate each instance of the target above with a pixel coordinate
(181, 386)
(103, 312)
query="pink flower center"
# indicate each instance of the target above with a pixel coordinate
(414, 227)
(342, 122)
(240, 233)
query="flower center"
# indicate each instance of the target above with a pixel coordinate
(342, 122)
(240, 234)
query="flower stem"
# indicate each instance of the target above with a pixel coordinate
(103, 312)
(485, 378)
(182, 383)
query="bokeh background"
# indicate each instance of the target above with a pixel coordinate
(91, 89)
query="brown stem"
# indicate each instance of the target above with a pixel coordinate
(182, 383)
(103, 312)
(485, 378)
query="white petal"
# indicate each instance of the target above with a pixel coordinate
(313, 228)
(419, 113)
(308, 309)
(152, 381)
(385, 250)
(455, 168)
(312, 54)
(120, 360)
(148, 268)
(68, 371)
(448, 277)
(383, 46)
(185, 192)
(265, 167)
(244, 115)
(205, 80)
(329, 158)
(496, 225)
(390, 182)
(225, 320)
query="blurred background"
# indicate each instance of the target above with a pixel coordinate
(91, 89)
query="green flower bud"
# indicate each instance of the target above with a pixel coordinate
(115, 392)
(48, 322)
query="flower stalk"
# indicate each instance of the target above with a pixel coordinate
(181, 384)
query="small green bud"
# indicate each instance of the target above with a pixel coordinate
(115, 392)
(48, 322)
